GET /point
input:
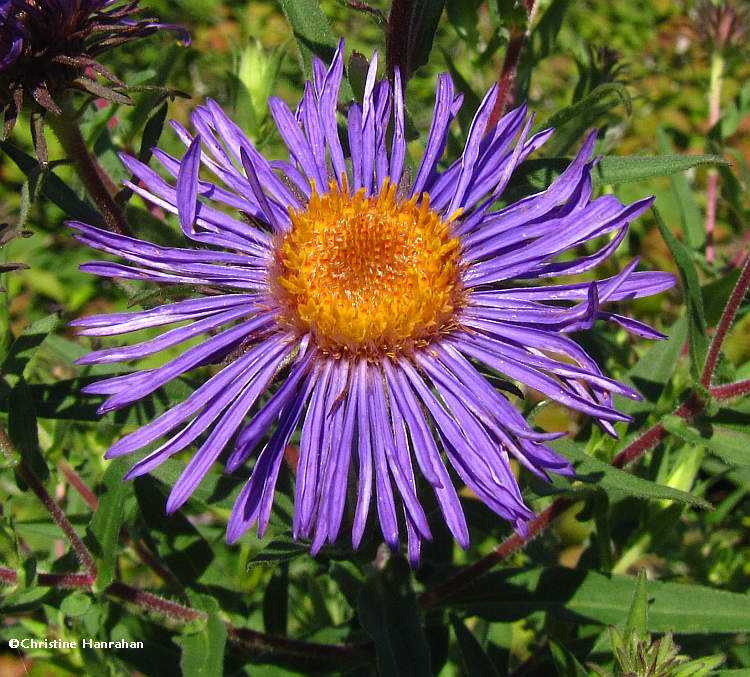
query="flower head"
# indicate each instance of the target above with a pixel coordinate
(372, 306)
(723, 25)
(47, 47)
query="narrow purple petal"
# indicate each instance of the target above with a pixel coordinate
(247, 365)
(438, 135)
(398, 145)
(170, 338)
(426, 449)
(187, 186)
(364, 451)
(306, 491)
(222, 432)
(121, 323)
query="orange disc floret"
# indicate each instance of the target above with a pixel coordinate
(367, 275)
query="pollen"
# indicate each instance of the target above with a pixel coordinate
(368, 275)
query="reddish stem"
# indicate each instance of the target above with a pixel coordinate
(742, 251)
(506, 81)
(727, 317)
(258, 641)
(689, 409)
(731, 390)
(507, 548)
(93, 502)
(58, 516)
(74, 479)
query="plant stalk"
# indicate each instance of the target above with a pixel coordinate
(68, 133)
(714, 113)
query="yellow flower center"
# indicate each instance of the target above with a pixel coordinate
(367, 275)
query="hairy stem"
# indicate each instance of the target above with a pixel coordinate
(727, 317)
(67, 131)
(507, 81)
(92, 501)
(259, 642)
(58, 516)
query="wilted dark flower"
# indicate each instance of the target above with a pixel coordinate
(377, 305)
(47, 46)
(724, 24)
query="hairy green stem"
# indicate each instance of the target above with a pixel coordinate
(714, 113)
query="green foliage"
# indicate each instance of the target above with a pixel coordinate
(636, 655)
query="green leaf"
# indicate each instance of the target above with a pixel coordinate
(732, 445)
(219, 491)
(22, 429)
(63, 400)
(76, 604)
(25, 346)
(203, 651)
(582, 596)
(276, 601)
(629, 168)
(103, 532)
(52, 187)
(693, 227)
(143, 110)
(700, 667)
(537, 174)
(638, 613)
(476, 662)
(152, 132)
(583, 113)
(279, 550)
(716, 294)
(650, 375)
(313, 35)
(424, 22)
(387, 610)
(697, 338)
(544, 34)
(612, 480)
(566, 664)
(463, 16)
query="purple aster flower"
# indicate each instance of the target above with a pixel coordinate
(372, 305)
(47, 46)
